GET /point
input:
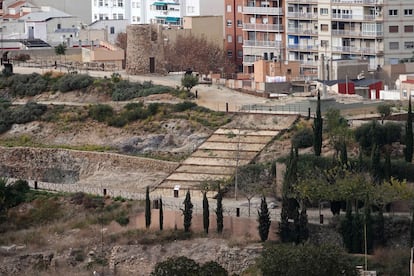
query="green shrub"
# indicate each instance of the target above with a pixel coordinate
(303, 138)
(27, 113)
(101, 112)
(180, 107)
(122, 220)
(26, 85)
(70, 82)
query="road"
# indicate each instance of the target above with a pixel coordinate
(213, 97)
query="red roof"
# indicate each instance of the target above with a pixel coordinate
(17, 4)
(408, 81)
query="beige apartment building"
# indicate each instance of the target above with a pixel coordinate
(378, 31)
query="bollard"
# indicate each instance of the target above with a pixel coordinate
(237, 212)
(227, 107)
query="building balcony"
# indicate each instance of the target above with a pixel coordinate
(349, 17)
(357, 50)
(262, 10)
(251, 59)
(302, 1)
(303, 48)
(302, 15)
(302, 31)
(357, 34)
(362, 2)
(309, 63)
(263, 27)
(264, 44)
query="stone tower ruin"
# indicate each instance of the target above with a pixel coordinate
(145, 49)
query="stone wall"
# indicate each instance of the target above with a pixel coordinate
(85, 168)
(144, 42)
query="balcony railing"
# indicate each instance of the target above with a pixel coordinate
(309, 31)
(304, 48)
(357, 50)
(258, 43)
(356, 33)
(364, 2)
(368, 17)
(263, 27)
(262, 10)
(251, 59)
(303, 15)
(302, 1)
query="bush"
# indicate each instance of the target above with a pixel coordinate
(182, 266)
(122, 220)
(26, 85)
(125, 90)
(101, 112)
(70, 82)
(305, 259)
(303, 138)
(180, 107)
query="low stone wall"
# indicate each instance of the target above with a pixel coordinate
(87, 168)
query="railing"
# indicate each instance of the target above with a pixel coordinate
(351, 49)
(263, 27)
(309, 31)
(356, 33)
(251, 59)
(306, 63)
(303, 47)
(302, 1)
(367, 17)
(262, 10)
(303, 15)
(365, 2)
(257, 43)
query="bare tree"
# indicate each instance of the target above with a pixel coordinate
(196, 53)
(253, 179)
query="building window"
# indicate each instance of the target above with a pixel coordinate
(95, 3)
(323, 11)
(229, 23)
(112, 30)
(190, 9)
(393, 12)
(239, 39)
(409, 28)
(408, 12)
(229, 53)
(239, 23)
(59, 26)
(120, 16)
(229, 39)
(394, 45)
(239, 9)
(409, 45)
(114, 16)
(240, 54)
(324, 43)
(324, 27)
(393, 29)
(134, 19)
(228, 8)
(120, 3)
(100, 3)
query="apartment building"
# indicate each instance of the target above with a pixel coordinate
(263, 32)
(233, 32)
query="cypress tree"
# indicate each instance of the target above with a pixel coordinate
(380, 232)
(317, 128)
(206, 213)
(375, 163)
(369, 228)
(303, 225)
(408, 151)
(264, 220)
(412, 229)
(284, 231)
(219, 211)
(346, 227)
(147, 209)
(344, 154)
(387, 165)
(357, 234)
(187, 212)
(161, 215)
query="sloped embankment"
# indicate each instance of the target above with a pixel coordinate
(88, 169)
